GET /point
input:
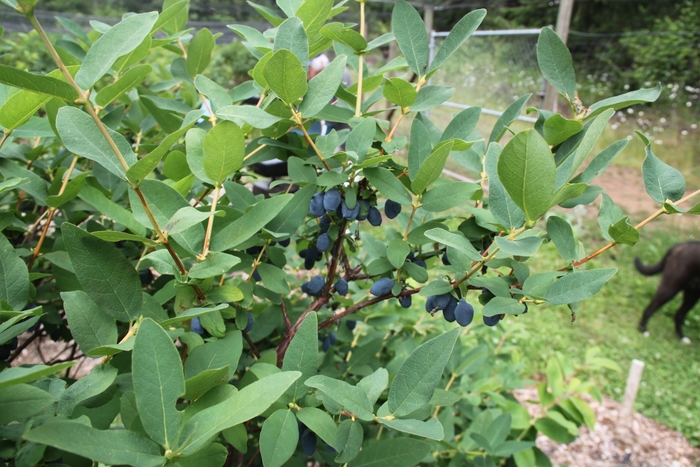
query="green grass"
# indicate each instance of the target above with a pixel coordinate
(668, 392)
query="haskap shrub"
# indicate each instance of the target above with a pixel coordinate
(113, 165)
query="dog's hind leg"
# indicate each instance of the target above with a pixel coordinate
(690, 298)
(664, 293)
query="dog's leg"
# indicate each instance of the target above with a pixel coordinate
(664, 293)
(690, 298)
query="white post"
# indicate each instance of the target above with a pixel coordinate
(633, 380)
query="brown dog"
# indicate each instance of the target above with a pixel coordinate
(681, 271)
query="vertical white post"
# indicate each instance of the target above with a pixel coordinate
(633, 380)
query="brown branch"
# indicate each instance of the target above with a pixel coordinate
(287, 323)
(25, 344)
(348, 311)
(253, 349)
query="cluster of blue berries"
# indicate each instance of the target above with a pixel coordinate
(332, 202)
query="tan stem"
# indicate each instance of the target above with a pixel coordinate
(210, 224)
(358, 102)
(300, 122)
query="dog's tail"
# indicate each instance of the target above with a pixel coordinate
(651, 269)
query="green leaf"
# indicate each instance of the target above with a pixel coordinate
(396, 452)
(118, 214)
(199, 52)
(410, 33)
(278, 438)
(526, 169)
(348, 440)
(591, 134)
(553, 430)
(213, 355)
(578, 285)
(432, 167)
(525, 246)
(558, 129)
(361, 138)
(302, 354)
(26, 374)
(105, 274)
(121, 39)
(399, 92)
(286, 76)
(224, 148)
(352, 398)
(455, 240)
(14, 276)
(562, 234)
(89, 325)
(319, 422)
(448, 195)
(291, 36)
(431, 429)
(99, 379)
(214, 455)
(338, 32)
(459, 33)
(462, 125)
(36, 83)
(555, 378)
(197, 386)
(314, 13)
(503, 305)
(173, 17)
(506, 212)
(248, 403)
(249, 223)
(600, 162)
(191, 313)
(419, 375)
(112, 447)
(419, 149)
(267, 13)
(253, 116)
(431, 96)
(509, 115)
(215, 264)
(388, 185)
(71, 190)
(323, 87)
(623, 232)
(185, 218)
(397, 251)
(22, 401)
(158, 383)
(639, 96)
(132, 78)
(374, 384)
(218, 96)
(556, 63)
(81, 136)
(293, 213)
(661, 181)
(585, 410)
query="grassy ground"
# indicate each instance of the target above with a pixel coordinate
(668, 392)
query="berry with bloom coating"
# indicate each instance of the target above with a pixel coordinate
(332, 199)
(350, 214)
(196, 326)
(464, 313)
(492, 320)
(392, 209)
(251, 321)
(382, 287)
(449, 311)
(323, 242)
(374, 216)
(406, 301)
(316, 205)
(341, 286)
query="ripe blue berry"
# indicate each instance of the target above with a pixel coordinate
(421, 263)
(326, 344)
(146, 277)
(374, 216)
(315, 285)
(249, 326)
(310, 258)
(323, 242)
(316, 205)
(284, 243)
(392, 209)
(351, 323)
(333, 338)
(364, 210)
(445, 259)
(449, 312)
(341, 287)
(492, 320)
(350, 214)
(256, 276)
(325, 223)
(308, 442)
(441, 301)
(406, 301)
(196, 326)
(331, 200)
(430, 304)
(382, 287)
(464, 313)
(525, 308)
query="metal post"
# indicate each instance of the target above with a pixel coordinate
(563, 22)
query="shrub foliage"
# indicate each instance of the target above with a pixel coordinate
(284, 327)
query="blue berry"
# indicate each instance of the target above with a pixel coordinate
(392, 209)
(382, 287)
(284, 243)
(315, 285)
(430, 304)
(441, 301)
(492, 320)
(196, 326)
(332, 199)
(464, 313)
(333, 338)
(350, 214)
(525, 308)
(374, 216)
(256, 276)
(449, 312)
(146, 277)
(341, 287)
(351, 324)
(251, 321)
(323, 242)
(316, 205)
(406, 301)
(364, 210)
(310, 258)
(421, 263)
(445, 259)
(326, 344)
(308, 442)
(325, 223)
